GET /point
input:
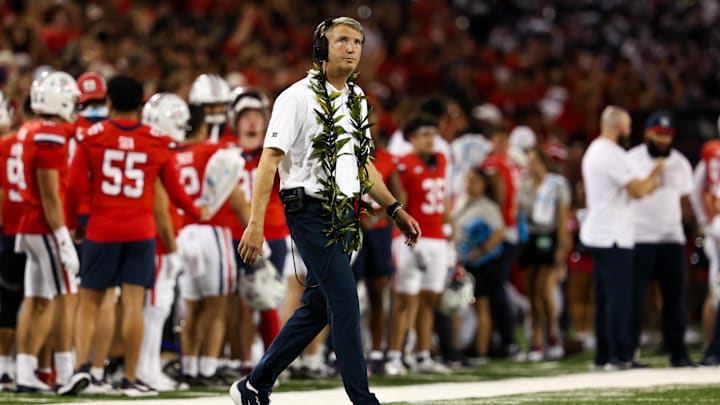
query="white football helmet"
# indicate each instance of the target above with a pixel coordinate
(210, 89)
(243, 98)
(6, 112)
(167, 113)
(459, 293)
(262, 288)
(56, 94)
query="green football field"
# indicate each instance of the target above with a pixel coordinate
(493, 371)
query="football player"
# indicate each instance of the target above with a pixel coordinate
(121, 163)
(50, 284)
(421, 271)
(167, 114)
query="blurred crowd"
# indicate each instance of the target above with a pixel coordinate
(551, 65)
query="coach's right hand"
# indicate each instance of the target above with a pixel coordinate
(251, 244)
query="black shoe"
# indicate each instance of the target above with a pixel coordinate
(376, 367)
(242, 393)
(629, 365)
(212, 381)
(7, 383)
(710, 361)
(683, 362)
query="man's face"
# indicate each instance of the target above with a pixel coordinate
(251, 129)
(659, 141)
(344, 49)
(423, 140)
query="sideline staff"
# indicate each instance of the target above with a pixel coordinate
(610, 186)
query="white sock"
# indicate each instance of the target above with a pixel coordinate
(208, 366)
(190, 366)
(376, 355)
(5, 365)
(64, 366)
(313, 361)
(26, 365)
(98, 373)
(394, 355)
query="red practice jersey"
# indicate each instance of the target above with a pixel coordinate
(275, 225)
(118, 163)
(44, 146)
(12, 181)
(425, 187)
(711, 158)
(509, 171)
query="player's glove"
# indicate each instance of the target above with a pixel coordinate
(174, 264)
(68, 254)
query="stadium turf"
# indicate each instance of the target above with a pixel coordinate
(494, 370)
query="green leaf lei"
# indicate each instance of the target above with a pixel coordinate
(326, 150)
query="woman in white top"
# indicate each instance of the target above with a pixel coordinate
(546, 200)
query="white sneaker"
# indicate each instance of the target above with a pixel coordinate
(430, 366)
(535, 356)
(556, 352)
(395, 368)
(31, 385)
(163, 383)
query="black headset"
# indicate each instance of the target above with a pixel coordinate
(320, 42)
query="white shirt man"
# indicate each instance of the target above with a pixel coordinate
(606, 171)
(659, 237)
(658, 217)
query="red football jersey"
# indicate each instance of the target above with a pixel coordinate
(275, 225)
(118, 163)
(12, 181)
(190, 161)
(509, 171)
(425, 187)
(44, 146)
(82, 124)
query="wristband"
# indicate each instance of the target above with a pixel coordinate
(393, 209)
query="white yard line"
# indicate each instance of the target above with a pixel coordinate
(448, 391)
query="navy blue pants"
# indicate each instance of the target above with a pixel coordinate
(613, 281)
(666, 263)
(713, 348)
(499, 305)
(335, 301)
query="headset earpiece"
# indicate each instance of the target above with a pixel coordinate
(320, 42)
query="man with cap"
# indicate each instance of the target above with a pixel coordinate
(659, 236)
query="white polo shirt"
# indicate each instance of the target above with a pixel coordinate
(293, 124)
(606, 171)
(658, 216)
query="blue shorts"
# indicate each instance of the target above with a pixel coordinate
(105, 265)
(375, 257)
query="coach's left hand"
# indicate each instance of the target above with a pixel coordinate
(408, 226)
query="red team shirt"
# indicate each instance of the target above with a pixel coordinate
(12, 182)
(275, 225)
(190, 161)
(508, 170)
(117, 164)
(44, 146)
(425, 187)
(82, 124)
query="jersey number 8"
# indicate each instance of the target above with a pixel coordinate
(114, 182)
